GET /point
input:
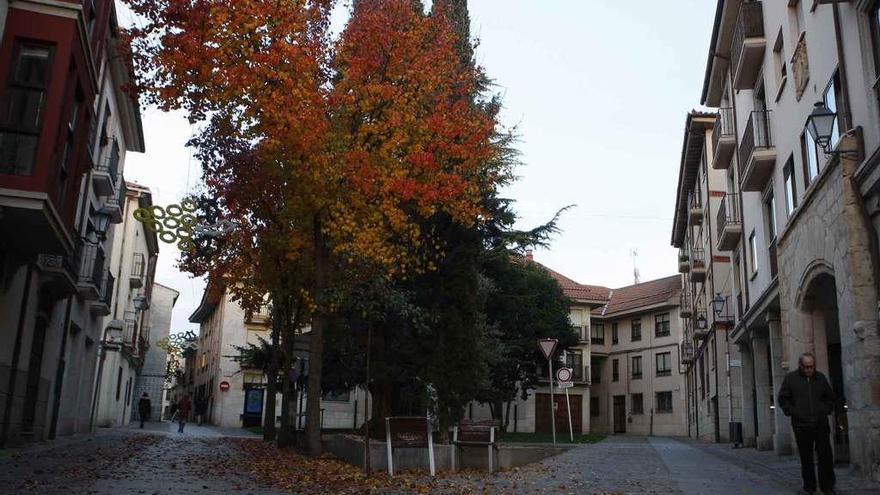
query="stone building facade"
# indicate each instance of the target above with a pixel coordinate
(805, 267)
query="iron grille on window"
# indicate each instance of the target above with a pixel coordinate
(137, 265)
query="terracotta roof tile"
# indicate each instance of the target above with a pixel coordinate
(645, 294)
(577, 291)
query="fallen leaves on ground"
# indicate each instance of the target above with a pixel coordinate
(295, 472)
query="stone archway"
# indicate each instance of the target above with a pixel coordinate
(817, 303)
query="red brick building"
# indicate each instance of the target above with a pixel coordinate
(65, 125)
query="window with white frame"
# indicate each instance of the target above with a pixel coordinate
(810, 154)
(753, 253)
(790, 187)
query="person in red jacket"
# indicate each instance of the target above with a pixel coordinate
(183, 407)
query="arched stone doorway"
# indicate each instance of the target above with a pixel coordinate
(817, 302)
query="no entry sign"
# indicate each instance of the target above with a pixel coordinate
(224, 386)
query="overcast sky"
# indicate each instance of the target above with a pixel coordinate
(599, 90)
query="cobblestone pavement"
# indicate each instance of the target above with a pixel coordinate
(158, 461)
(154, 461)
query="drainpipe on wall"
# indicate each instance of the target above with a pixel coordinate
(16, 355)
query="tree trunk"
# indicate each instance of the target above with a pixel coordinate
(287, 435)
(367, 466)
(506, 417)
(316, 346)
(278, 315)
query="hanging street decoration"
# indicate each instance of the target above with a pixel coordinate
(176, 223)
(178, 346)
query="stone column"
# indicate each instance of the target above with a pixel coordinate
(782, 436)
(763, 391)
(861, 342)
(747, 381)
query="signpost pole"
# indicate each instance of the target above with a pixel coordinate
(567, 402)
(548, 347)
(552, 401)
(568, 405)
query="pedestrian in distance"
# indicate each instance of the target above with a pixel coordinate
(807, 397)
(144, 407)
(183, 408)
(201, 409)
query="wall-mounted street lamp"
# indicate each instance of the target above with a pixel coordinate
(820, 125)
(140, 302)
(702, 323)
(718, 304)
(102, 224)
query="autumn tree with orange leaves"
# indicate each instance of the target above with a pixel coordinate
(328, 152)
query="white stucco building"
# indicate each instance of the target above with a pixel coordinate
(152, 376)
(133, 265)
(626, 365)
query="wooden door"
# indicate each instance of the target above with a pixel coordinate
(619, 414)
(542, 413)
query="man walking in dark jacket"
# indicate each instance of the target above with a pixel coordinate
(807, 397)
(144, 408)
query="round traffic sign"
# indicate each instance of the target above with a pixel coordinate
(224, 386)
(563, 374)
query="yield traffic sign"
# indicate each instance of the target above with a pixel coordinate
(548, 346)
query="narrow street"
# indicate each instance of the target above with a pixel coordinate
(158, 460)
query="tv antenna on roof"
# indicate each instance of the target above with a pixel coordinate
(635, 257)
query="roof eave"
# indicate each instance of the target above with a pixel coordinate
(719, 9)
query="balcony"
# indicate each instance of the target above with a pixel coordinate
(684, 262)
(262, 315)
(749, 43)
(757, 154)
(113, 205)
(695, 208)
(698, 265)
(145, 334)
(129, 330)
(578, 371)
(91, 270)
(104, 175)
(101, 306)
(60, 271)
(700, 316)
(136, 277)
(723, 139)
(685, 307)
(729, 223)
(687, 352)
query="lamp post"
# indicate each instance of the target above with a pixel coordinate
(102, 224)
(111, 341)
(820, 125)
(718, 304)
(140, 302)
